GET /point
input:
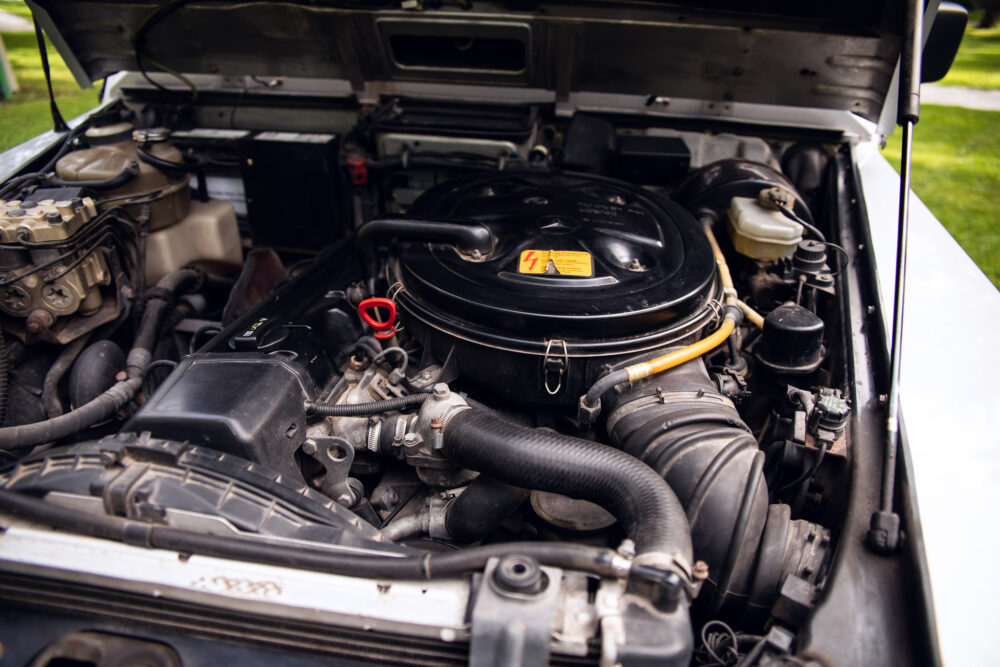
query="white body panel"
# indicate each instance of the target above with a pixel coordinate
(950, 406)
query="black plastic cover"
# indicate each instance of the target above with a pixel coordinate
(650, 270)
(792, 342)
(249, 405)
(293, 195)
(653, 160)
(143, 478)
(589, 145)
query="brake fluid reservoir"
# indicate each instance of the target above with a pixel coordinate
(761, 232)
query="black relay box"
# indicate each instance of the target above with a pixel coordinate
(287, 187)
(293, 190)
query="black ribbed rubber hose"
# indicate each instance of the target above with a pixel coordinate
(4, 368)
(50, 388)
(364, 409)
(640, 499)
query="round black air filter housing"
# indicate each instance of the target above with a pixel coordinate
(584, 271)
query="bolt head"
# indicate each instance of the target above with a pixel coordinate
(441, 390)
(309, 447)
(15, 298)
(412, 442)
(39, 319)
(56, 295)
(700, 571)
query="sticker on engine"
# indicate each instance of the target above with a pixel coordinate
(556, 263)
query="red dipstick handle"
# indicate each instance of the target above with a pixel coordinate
(385, 329)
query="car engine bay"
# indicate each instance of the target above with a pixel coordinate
(569, 357)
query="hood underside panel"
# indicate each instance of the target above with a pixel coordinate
(806, 55)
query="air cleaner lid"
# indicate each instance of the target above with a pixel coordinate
(576, 257)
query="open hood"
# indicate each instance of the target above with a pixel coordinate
(801, 54)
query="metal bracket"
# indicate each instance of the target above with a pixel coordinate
(336, 456)
(557, 364)
(512, 629)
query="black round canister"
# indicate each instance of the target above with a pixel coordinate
(792, 342)
(584, 271)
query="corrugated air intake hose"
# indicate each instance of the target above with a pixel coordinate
(693, 437)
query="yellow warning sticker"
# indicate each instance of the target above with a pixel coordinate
(556, 263)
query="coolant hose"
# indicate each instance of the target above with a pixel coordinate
(531, 458)
(108, 403)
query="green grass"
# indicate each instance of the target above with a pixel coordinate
(956, 157)
(26, 114)
(977, 64)
(956, 172)
(16, 7)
